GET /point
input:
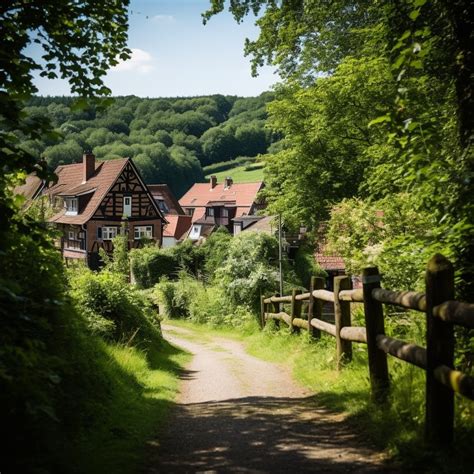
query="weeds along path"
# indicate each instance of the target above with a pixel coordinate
(236, 413)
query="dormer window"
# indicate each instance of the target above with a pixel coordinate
(210, 211)
(71, 206)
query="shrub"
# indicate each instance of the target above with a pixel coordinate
(149, 264)
(192, 299)
(174, 297)
(112, 308)
(249, 269)
(214, 250)
(306, 266)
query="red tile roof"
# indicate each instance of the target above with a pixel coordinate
(70, 179)
(162, 191)
(177, 226)
(243, 194)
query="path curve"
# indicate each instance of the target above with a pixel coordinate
(237, 413)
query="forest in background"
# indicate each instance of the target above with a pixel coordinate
(169, 139)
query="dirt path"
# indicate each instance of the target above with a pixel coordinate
(237, 413)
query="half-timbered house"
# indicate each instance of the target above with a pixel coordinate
(100, 199)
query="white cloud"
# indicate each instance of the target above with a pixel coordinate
(163, 18)
(140, 61)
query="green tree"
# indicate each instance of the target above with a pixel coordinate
(40, 338)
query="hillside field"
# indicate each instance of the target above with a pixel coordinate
(241, 173)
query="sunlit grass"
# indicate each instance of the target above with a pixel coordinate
(145, 386)
(242, 174)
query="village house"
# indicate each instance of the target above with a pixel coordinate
(212, 205)
(98, 199)
(178, 223)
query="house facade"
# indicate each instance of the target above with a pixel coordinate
(214, 204)
(98, 199)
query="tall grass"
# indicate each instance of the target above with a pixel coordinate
(145, 384)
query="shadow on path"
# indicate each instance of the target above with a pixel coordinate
(260, 434)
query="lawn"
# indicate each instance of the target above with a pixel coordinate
(241, 174)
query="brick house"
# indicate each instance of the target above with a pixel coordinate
(97, 199)
(212, 205)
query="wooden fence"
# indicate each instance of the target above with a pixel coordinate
(437, 359)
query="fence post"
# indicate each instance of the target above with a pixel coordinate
(262, 311)
(276, 309)
(374, 324)
(439, 351)
(315, 306)
(342, 318)
(296, 306)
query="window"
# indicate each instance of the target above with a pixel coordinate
(162, 205)
(190, 211)
(108, 233)
(71, 206)
(225, 212)
(71, 235)
(143, 231)
(210, 211)
(127, 206)
(237, 228)
(195, 232)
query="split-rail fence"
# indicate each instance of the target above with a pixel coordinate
(437, 359)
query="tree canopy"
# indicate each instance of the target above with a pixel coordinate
(374, 105)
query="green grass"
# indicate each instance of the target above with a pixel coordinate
(145, 386)
(396, 428)
(241, 174)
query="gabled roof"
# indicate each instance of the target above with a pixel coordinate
(32, 187)
(70, 183)
(177, 226)
(258, 224)
(162, 191)
(239, 194)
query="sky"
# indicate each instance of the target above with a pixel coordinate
(174, 54)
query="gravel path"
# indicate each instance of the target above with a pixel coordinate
(236, 413)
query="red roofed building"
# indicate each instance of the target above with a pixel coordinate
(176, 229)
(212, 205)
(96, 198)
(165, 199)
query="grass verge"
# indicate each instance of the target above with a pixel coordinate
(145, 384)
(396, 428)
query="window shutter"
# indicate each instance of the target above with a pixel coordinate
(99, 232)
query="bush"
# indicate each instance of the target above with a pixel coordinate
(214, 251)
(192, 299)
(306, 266)
(112, 308)
(149, 264)
(249, 269)
(174, 298)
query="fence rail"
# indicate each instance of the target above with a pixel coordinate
(437, 359)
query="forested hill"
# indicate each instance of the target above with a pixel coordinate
(170, 139)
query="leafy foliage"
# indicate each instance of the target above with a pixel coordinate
(112, 308)
(169, 139)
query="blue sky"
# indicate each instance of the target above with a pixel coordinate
(174, 54)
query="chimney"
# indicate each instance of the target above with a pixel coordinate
(228, 182)
(213, 181)
(88, 163)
